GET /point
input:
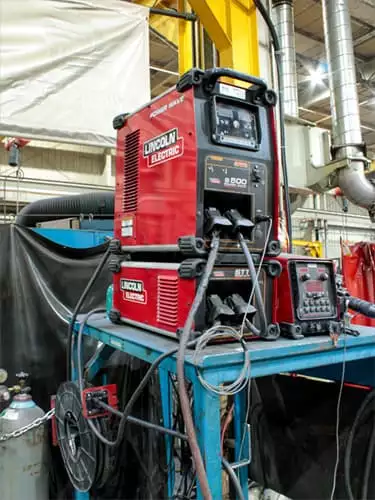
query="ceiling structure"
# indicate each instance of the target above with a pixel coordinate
(314, 100)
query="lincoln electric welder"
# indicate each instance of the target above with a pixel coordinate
(196, 168)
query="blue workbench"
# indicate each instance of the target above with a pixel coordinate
(223, 363)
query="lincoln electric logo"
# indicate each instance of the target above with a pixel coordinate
(164, 147)
(133, 291)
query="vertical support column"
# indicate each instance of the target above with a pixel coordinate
(166, 392)
(185, 40)
(207, 424)
(241, 439)
(232, 27)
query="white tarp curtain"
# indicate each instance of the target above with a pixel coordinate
(68, 67)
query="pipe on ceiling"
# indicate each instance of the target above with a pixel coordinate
(346, 124)
(283, 19)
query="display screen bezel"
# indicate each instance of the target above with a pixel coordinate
(215, 100)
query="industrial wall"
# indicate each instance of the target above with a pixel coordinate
(323, 216)
(50, 169)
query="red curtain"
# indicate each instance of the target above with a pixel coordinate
(358, 268)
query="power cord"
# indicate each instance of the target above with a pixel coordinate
(86, 291)
(277, 51)
(337, 434)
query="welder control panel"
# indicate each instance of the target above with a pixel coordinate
(235, 125)
(313, 290)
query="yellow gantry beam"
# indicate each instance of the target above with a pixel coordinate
(185, 39)
(232, 27)
(230, 24)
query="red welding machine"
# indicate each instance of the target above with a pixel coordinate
(200, 162)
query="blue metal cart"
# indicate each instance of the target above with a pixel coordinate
(223, 363)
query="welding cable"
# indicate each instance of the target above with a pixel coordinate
(278, 55)
(134, 397)
(256, 281)
(232, 476)
(77, 308)
(364, 408)
(184, 398)
(252, 328)
(218, 331)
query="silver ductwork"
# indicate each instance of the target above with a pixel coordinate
(283, 19)
(346, 131)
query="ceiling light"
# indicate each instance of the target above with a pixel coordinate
(316, 77)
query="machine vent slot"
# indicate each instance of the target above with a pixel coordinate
(131, 169)
(167, 303)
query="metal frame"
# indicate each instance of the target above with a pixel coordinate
(222, 363)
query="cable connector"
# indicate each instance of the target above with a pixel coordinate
(262, 218)
(218, 310)
(239, 222)
(240, 307)
(214, 221)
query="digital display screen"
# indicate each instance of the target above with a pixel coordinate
(236, 126)
(314, 286)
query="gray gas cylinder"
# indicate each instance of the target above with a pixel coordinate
(23, 460)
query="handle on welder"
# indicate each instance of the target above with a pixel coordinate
(211, 76)
(362, 306)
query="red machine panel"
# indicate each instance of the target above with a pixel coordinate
(156, 167)
(157, 297)
(152, 295)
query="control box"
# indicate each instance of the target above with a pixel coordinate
(306, 300)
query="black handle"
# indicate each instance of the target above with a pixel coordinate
(362, 306)
(212, 75)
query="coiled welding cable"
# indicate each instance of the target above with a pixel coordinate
(364, 408)
(77, 308)
(184, 398)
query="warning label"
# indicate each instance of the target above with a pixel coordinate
(133, 291)
(164, 147)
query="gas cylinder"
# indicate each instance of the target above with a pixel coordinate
(23, 459)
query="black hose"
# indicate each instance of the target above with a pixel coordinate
(141, 422)
(134, 397)
(184, 398)
(232, 476)
(98, 204)
(349, 445)
(254, 279)
(253, 329)
(368, 463)
(277, 50)
(362, 306)
(77, 308)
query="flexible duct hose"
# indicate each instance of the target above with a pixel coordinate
(362, 307)
(98, 203)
